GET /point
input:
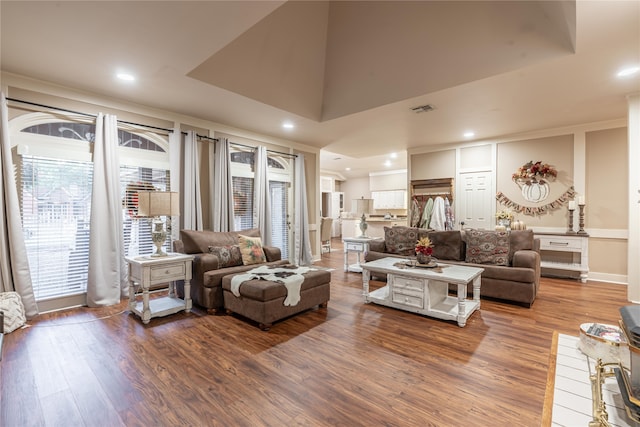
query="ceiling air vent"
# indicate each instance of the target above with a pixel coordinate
(423, 108)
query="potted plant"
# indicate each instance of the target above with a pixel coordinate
(424, 250)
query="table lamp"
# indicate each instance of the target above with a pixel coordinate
(363, 208)
(154, 204)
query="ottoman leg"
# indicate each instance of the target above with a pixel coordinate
(265, 327)
(323, 304)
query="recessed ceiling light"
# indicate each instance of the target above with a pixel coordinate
(288, 125)
(387, 163)
(393, 155)
(469, 134)
(347, 169)
(125, 77)
(628, 71)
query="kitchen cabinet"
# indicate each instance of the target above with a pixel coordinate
(393, 199)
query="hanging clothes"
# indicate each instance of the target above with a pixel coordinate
(448, 214)
(426, 215)
(437, 220)
(415, 213)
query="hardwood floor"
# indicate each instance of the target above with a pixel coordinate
(350, 364)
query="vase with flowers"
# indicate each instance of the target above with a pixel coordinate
(504, 218)
(424, 250)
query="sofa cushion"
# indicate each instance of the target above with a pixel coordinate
(447, 245)
(487, 247)
(520, 240)
(251, 249)
(228, 255)
(198, 241)
(401, 240)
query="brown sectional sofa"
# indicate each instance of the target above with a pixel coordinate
(517, 281)
(206, 283)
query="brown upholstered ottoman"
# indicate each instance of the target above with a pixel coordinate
(263, 300)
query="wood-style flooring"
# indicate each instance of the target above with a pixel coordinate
(351, 364)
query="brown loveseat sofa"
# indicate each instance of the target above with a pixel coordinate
(206, 283)
(515, 276)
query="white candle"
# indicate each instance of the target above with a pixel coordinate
(581, 201)
(572, 205)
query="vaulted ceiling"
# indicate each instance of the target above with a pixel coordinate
(346, 73)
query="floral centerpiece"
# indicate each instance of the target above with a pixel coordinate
(504, 214)
(534, 172)
(504, 218)
(424, 250)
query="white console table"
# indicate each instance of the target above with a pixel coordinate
(565, 252)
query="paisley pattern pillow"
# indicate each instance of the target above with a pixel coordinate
(228, 256)
(401, 240)
(487, 247)
(251, 249)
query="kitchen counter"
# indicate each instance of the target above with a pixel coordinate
(375, 229)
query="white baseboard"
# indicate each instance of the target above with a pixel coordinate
(620, 279)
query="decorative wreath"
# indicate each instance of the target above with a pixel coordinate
(130, 201)
(534, 172)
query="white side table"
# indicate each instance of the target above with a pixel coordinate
(358, 245)
(147, 271)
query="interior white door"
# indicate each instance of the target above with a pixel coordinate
(475, 196)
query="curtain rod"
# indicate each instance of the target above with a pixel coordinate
(244, 145)
(86, 114)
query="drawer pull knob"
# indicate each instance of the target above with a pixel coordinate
(166, 272)
(559, 243)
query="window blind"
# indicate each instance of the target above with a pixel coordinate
(55, 207)
(242, 202)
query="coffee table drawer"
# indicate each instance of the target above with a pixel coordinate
(405, 284)
(410, 300)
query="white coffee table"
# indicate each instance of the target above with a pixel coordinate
(424, 290)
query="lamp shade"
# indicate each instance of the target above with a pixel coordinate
(364, 206)
(158, 203)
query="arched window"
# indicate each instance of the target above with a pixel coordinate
(55, 171)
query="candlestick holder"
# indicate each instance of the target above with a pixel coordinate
(581, 224)
(570, 229)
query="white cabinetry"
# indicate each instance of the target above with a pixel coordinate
(564, 252)
(394, 199)
(327, 184)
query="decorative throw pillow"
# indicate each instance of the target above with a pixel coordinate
(13, 309)
(487, 247)
(228, 256)
(401, 240)
(251, 249)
